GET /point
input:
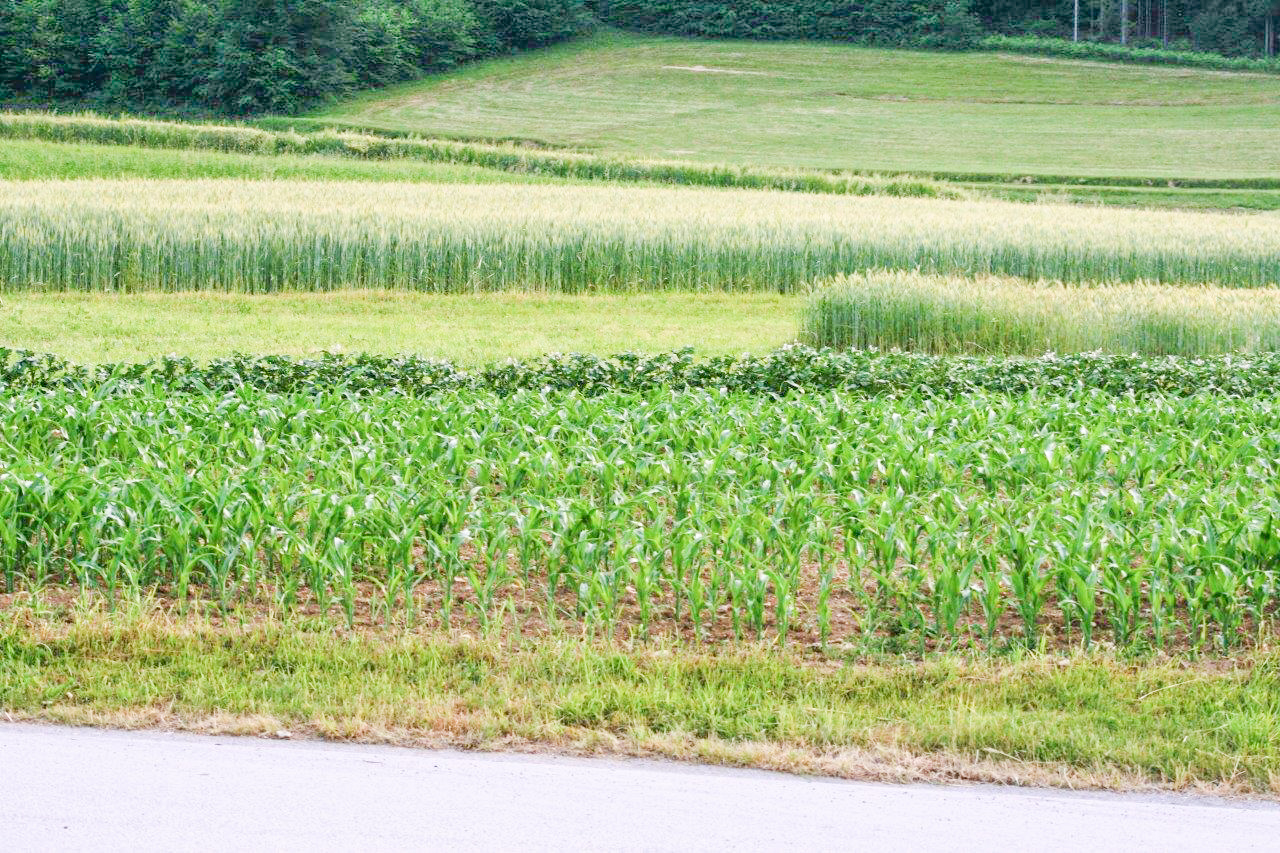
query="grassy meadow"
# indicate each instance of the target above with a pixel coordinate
(840, 107)
(94, 327)
(1013, 519)
(42, 146)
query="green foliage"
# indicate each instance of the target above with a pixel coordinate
(239, 57)
(1121, 53)
(914, 523)
(790, 370)
(1179, 32)
(892, 23)
(1231, 27)
(528, 24)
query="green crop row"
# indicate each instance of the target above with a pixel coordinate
(518, 158)
(947, 314)
(790, 370)
(904, 524)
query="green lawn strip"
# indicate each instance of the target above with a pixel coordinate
(1188, 198)
(96, 328)
(1083, 721)
(22, 159)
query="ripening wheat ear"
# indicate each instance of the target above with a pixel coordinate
(269, 236)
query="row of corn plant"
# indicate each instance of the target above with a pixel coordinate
(948, 314)
(519, 158)
(913, 523)
(792, 369)
(246, 236)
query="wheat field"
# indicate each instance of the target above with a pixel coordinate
(950, 314)
(246, 236)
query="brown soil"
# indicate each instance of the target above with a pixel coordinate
(523, 608)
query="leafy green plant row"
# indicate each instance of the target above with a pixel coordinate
(790, 370)
(907, 524)
(946, 314)
(517, 158)
(1123, 53)
(255, 237)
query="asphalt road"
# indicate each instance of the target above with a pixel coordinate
(85, 789)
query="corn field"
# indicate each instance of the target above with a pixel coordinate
(260, 237)
(942, 314)
(907, 524)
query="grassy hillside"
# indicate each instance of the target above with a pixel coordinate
(833, 106)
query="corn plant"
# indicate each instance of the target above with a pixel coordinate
(902, 522)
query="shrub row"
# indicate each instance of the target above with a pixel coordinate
(792, 369)
(1123, 53)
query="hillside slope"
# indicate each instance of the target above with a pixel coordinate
(834, 106)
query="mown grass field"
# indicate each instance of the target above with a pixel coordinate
(832, 106)
(96, 328)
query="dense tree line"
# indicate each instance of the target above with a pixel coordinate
(1229, 27)
(892, 23)
(236, 57)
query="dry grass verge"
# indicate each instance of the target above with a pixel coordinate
(1078, 721)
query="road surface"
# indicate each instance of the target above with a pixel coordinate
(85, 789)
